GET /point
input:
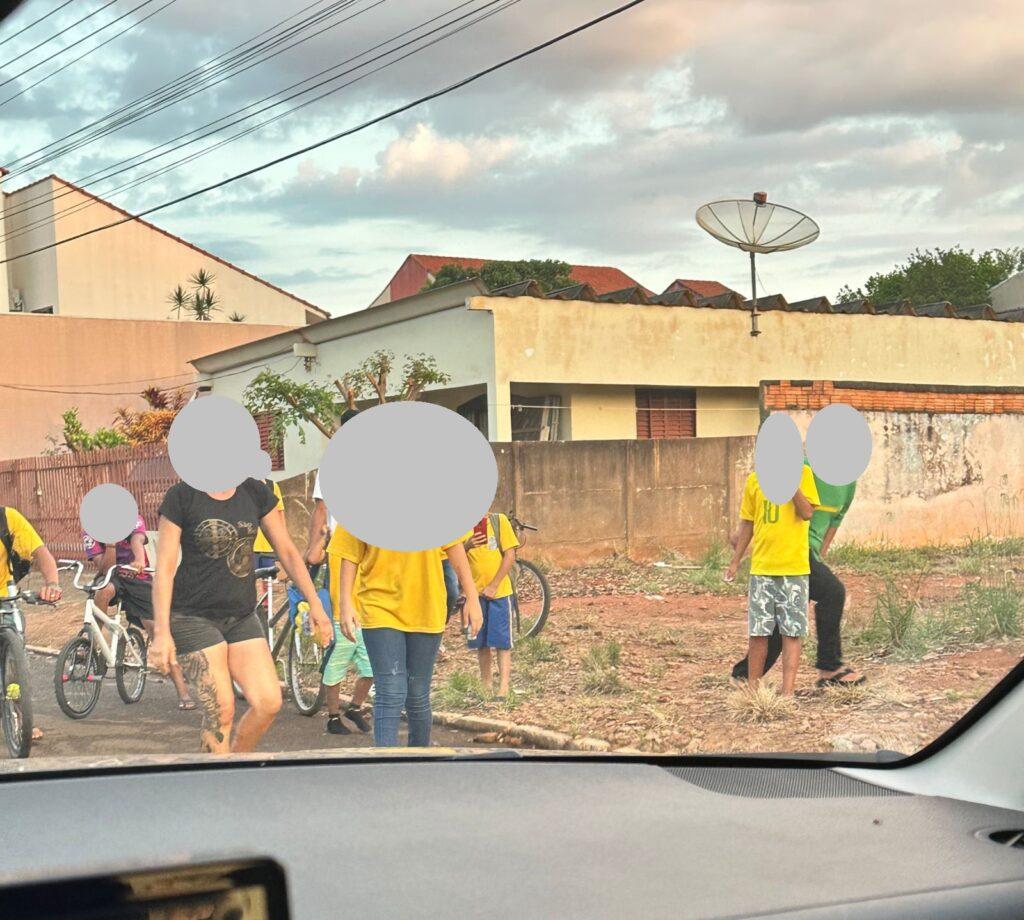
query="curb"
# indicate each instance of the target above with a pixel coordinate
(544, 738)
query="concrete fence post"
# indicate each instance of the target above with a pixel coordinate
(629, 495)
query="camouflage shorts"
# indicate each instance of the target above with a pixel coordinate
(778, 599)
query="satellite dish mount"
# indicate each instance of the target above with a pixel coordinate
(755, 226)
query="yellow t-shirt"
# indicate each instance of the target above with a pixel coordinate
(24, 540)
(781, 543)
(484, 561)
(403, 591)
(261, 544)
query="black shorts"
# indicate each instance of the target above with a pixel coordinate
(191, 633)
(135, 597)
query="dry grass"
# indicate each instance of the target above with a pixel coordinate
(762, 703)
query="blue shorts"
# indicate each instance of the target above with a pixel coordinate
(497, 629)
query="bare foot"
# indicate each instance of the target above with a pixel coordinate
(37, 734)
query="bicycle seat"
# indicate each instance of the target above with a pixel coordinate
(267, 571)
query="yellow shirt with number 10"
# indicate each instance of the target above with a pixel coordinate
(781, 536)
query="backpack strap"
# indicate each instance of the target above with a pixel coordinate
(6, 538)
(495, 520)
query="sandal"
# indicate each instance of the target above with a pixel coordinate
(186, 705)
(836, 680)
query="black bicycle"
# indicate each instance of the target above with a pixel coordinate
(16, 712)
(301, 669)
(531, 593)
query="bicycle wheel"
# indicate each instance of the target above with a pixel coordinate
(304, 657)
(17, 701)
(130, 666)
(531, 600)
(76, 678)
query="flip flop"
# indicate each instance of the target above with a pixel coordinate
(186, 705)
(836, 680)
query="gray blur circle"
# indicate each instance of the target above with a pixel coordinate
(214, 445)
(108, 513)
(839, 444)
(408, 476)
(779, 458)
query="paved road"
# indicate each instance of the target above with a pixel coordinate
(155, 726)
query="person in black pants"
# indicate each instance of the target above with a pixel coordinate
(827, 593)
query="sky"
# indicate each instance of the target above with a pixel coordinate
(895, 125)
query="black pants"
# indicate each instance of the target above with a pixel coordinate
(829, 596)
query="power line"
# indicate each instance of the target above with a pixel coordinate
(505, 4)
(36, 22)
(429, 97)
(46, 41)
(145, 96)
(182, 87)
(106, 41)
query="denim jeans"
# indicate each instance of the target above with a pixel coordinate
(451, 585)
(829, 597)
(403, 665)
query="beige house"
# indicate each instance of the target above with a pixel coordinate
(125, 272)
(525, 366)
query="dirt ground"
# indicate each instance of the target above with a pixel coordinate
(670, 691)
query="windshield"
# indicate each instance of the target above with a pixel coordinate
(611, 377)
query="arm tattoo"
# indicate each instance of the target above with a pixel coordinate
(196, 669)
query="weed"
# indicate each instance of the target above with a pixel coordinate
(993, 611)
(601, 668)
(462, 690)
(761, 703)
(535, 650)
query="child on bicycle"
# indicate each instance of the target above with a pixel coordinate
(492, 553)
(133, 590)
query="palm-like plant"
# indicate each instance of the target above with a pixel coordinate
(200, 302)
(237, 317)
(178, 299)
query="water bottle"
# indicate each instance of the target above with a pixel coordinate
(307, 622)
(12, 588)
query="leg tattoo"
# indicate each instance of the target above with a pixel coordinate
(196, 668)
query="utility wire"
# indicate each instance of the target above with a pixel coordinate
(107, 41)
(153, 92)
(36, 22)
(46, 41)
(348, 132)
(505, 4)
(185, 89)
(75, 43)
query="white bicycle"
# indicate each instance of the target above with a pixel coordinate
(85, 660)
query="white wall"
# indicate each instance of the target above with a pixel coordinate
(460, 340)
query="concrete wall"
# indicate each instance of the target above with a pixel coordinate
(57, 362)
(938, 478)
(125, 272)
(1009, 295)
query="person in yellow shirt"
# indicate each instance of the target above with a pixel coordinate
(492, 553)
(18, 538)
(261, 547)
(779, 570)
(400, 602)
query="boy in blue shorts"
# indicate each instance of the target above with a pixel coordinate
(492, 553)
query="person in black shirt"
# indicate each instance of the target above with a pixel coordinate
(204, 617)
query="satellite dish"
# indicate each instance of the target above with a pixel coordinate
(756, 226)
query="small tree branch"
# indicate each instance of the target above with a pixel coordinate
(288, 398)
(348, 393)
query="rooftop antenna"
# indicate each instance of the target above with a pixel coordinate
(755, 226)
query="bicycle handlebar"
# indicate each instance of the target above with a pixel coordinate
(30, 597)
(66, 564)
(521, 525)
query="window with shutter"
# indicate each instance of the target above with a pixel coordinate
(265, 423)
(666, 414)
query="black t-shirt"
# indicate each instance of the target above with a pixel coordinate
(215, 577)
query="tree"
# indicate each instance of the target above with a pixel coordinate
(961, 277)
(295, 405)
(550, 274)
(198, 300)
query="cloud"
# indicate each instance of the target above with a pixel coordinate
(422, 154)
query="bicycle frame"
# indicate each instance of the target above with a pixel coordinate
(116, 627)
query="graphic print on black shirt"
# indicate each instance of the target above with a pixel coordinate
(216, 576)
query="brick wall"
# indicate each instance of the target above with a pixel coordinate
(782, 395)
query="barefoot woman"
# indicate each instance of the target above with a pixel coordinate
(203, 612)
